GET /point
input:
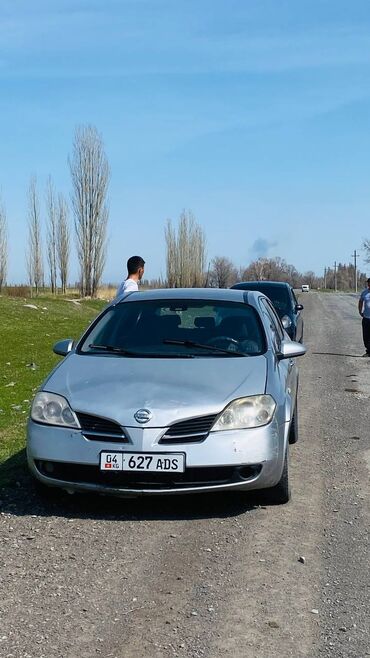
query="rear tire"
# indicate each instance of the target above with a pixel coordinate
(293, 430)
(280, 493)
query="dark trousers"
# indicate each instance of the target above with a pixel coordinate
(366, 333)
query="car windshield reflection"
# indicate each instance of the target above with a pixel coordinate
(159, 328)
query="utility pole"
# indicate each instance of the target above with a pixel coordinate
(325, 272)
(335, 277)
(354, 255)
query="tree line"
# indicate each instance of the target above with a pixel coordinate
(89, 170)
(185, 244)
(186, 258)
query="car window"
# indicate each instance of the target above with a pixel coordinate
(279, 298)
(279, 295)
(277, 321)
(274, 322)
(144, 327)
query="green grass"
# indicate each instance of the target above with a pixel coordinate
(27, 336)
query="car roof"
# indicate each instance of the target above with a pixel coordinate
(211, 294)
(255, 285)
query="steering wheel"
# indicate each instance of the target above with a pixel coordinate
(221, 339)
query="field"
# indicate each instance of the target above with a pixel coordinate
(26, 357)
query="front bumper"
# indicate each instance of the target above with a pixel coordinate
(238, 459)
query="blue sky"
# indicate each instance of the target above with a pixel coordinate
(254, 114)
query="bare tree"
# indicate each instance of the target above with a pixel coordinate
(51, 234)
(171, 254)
(272, 269)
(310, 278)
(198, 248)
(223, 273)
(366, 246)
(34, 254)
(185, 253)
(3, 246)
(257, 270)
(294, 277)
(62, 242)
(90, 176)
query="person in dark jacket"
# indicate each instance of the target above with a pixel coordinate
(364, 311)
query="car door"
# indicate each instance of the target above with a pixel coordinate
(285, 369)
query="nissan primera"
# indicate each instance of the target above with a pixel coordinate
(168, 392)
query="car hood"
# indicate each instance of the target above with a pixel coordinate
(172, 389)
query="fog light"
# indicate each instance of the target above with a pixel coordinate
(248, 472)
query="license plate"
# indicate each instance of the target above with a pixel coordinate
(160, 462)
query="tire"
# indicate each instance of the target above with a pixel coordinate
(48, 494)
(280, 493)
(293, 430)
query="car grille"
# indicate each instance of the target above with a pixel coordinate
(192, 477)
(189, 431)
(96, 428)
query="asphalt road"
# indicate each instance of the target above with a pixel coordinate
(212, 576)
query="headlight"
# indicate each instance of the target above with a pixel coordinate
(254, 411)
(53, 409)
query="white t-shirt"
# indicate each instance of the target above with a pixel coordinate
(127, 286)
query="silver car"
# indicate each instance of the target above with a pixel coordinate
(169, 392)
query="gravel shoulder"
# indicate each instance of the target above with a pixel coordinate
(215, 575)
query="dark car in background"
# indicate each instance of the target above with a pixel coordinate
(285, 302)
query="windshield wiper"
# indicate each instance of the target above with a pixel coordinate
(112, 348)
(192, 343)
(121, 350)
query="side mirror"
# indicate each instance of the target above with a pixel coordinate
(290, 349)
(63, 347)
(299, 307)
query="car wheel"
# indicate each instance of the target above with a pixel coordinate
(48, 493)
(280, 493)
(293, 431)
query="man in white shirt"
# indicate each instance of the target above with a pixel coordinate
(364, 311)
(135, 271)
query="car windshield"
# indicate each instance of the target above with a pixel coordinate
(163, 328)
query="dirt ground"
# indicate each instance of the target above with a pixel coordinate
(216, 575)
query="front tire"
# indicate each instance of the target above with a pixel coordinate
(293, 430)
(48, 494)
(280, 493)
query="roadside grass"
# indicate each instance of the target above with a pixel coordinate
(27, 336)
